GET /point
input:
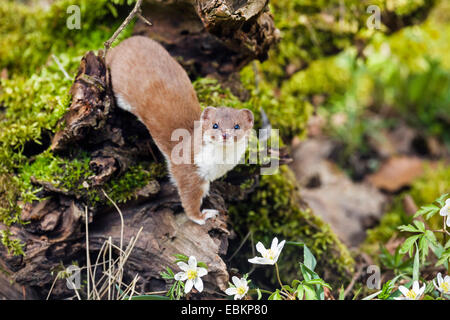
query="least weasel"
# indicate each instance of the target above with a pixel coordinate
(149, 83)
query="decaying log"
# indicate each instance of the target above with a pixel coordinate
(211, 37)
(54, 234)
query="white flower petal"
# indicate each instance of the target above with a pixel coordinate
(435, 285)
(236, 281)
(259, 260)
(181, 276)
(198, 284)
(447, 202)
(188, 286)
(448, 221)
(439, 278)
(281, 245)
(260, 248)
(403, 290)
(192, 262)
(415, 286)
(275, 259)
(183, 266)
(201, 272)
(274, 245)
(445, 210)
(231, 291)
(243, 283)
(421, 291)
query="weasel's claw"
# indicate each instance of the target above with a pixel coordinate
(210, 213)
(207, 214)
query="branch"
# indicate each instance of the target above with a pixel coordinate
(136, 12)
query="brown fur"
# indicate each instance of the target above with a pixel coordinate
(162, 96)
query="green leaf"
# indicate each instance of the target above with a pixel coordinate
(357, 293)
(259, 293)
(275, 296)
(441, 199)
(341, 293)
(431, 237)
(428, 209)
(287, 288)
(168, 274)
(308, 258)
(319, 282)
(408, 228)
(420, 225)
(408, 244)
(423, 247)
(181, 258)
(310, 293)
(373, 295)
(416, 266)
(300, 292)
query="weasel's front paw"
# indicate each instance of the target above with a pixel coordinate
(209, 213)
(206, 214)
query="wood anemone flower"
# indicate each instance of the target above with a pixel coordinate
(411, 294)
(191, 274)
(269, 256)
(240, 288)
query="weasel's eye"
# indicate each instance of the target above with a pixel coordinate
(237, 127)
(215, 126)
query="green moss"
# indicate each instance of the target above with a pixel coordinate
(36, 93)
(29, 34)
(286, 110)
(274, 210)
(73, 177)
(123, 188)
(313, 29)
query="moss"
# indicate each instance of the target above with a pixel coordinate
(72, 176)
(312, 29)
(274, 210)
(286, 110)
(35, 95)
(123, 188)
(30, 34)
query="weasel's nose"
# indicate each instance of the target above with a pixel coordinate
(225, 136)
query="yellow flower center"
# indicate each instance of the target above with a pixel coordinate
(191, 274)
(270, 254)
(445, 286)
(411, 294)
(240, 291)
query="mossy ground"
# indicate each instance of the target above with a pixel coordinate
(36, 95)
(273, 211)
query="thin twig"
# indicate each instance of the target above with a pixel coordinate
(88, 259)
(60, 66)
(353, 281)
(240, 246)
(121, 230)
(136, 12)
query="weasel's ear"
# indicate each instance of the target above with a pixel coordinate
(247, 116)
(208, 113)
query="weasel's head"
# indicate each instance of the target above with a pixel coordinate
(226, 125)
